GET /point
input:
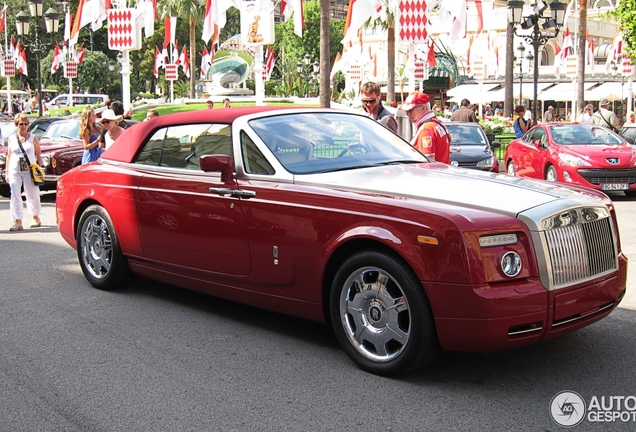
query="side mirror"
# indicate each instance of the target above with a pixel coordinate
(495, 144)
(218, 163)
(537, 143)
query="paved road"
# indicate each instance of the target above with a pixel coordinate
(156, 358)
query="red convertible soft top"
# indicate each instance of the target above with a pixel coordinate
(126, 146)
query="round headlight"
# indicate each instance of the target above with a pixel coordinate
(511, 264)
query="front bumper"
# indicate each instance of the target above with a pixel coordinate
(492, 318)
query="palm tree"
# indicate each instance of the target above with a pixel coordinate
(193, 11)
(325, 55)
(389, 26)
(580, 64)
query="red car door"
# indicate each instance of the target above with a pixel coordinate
(182, 222)
(533, 155)
(183, 219)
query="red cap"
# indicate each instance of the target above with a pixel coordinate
(416, 98)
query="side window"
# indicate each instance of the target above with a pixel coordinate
(182, 146)
(253, 159)
(151, 153)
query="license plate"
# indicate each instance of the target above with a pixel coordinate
(614, 186)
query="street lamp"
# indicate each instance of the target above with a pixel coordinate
(544, 23)
(22, 22)
(316, 67)
(521, 49)
(303, 69)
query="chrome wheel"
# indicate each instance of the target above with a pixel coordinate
(99, 252)
(96, 246)
(551, 174)
(375, 314)
(510, 169)
(381, 315)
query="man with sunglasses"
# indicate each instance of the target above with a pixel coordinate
(432, 137)
(373, 106)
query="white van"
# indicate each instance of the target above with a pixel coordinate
(78, 99)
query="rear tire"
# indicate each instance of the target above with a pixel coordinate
(5, 191)
(99, 252)
(381, 315)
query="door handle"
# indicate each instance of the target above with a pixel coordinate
(238, 193)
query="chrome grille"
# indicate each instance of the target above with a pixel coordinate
(580, 251)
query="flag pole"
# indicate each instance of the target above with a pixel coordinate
(6, 53)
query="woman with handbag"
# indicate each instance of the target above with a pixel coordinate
(23, 150)
(89, 133)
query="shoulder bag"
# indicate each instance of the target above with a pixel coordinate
(36, 171)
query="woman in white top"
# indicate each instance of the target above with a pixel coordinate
(18, 173)
(110, 122)
(586, 116)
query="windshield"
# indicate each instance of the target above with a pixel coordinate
(584, 134)
(62, 130)
(319, 142)
(466, 135)
(7, 128)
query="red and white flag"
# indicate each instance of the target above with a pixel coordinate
(206, 61)
(78, 56)
(148, 13)
(480, 16)
(562, 55)
(3, 18)
(337, 66)
(176, 59)
(184, 61)
(589, 54)
(11, 54)
(21, 64)
(68, 23)
(430, 56)
(269, 62)
(358, 13)
(615, 51)
(17, 51)
(171, 30)
(88, 12)
(58, 58)
(159, 62)
(214, 18)
(289, 7)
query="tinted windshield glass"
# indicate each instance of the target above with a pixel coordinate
(466, 135)
(62, 129)
(583, 134)
(318, 142)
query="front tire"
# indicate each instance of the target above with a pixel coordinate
(510, 169)
(381, 315)
(551, 174)
(99, 252)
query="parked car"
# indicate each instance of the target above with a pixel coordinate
(61, 150)
(329, 216)
(78, 99)
(628, 131)
(39, 125)
(581, 154)
(470, 148)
